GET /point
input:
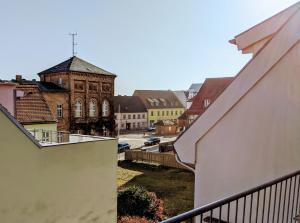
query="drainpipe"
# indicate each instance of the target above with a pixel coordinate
(183, 164)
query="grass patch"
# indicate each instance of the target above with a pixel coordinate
(174, 186)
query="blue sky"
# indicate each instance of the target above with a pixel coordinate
(149, 44)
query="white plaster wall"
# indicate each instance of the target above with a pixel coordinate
(257, 140)
(120, 120)
(73, 183)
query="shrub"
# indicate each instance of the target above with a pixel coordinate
(136, 201)
(134, 219)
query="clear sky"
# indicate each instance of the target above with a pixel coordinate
(149, 44)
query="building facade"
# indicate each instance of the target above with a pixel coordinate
(208, 93)
(67, 182)
(7, 96)
(130, 113)
(161, 105)
(89, 107)
(250, 134)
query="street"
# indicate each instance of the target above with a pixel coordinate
(136, 141)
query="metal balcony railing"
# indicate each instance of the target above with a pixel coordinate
(276, 201)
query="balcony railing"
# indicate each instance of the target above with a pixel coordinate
(50, 137)
(276, 201)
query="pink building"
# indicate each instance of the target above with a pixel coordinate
(7, 91)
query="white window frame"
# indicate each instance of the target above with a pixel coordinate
(59, 111)
(206, 102)
(78, 109)
(105, 108)
(93, 108)
(45, 136)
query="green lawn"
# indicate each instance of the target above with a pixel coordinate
(174, 186)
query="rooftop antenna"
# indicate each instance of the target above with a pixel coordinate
(73, 43)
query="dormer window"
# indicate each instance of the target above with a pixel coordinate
(206, 102)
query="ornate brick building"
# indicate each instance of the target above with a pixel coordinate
(87, 108)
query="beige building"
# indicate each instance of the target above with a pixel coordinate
(250, 134)
(65, 182)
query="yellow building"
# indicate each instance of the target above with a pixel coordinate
(161, 105)
(58, 182)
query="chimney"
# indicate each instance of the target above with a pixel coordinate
(18, 78)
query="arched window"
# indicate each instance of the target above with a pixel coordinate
(78, 108)
(93, 108)
(105, 108)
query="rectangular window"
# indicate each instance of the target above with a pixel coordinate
(176, 112)
(79, 85)
(206, 103)
(139, 116)
(45, 136)
(129, 116)
(133, 116)
(93, 86)
(167, 113)
(163, 113)
(59, 111)
(171, 112)
(158, 113)
(143, 115)
(59, 137)
(124, 116)
(151, 113)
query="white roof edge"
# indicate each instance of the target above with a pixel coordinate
(264, 60)
(19, 126)
(264, 29)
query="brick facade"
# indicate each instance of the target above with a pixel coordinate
(85, 83)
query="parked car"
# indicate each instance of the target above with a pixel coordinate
(122, 146)
(150, 129)
(152, 141)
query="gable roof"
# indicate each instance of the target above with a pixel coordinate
(32, 107)
(128, 104)
(211, 89)
(19, 126)
(182, 96)
(158, 99)
(195, 87)
(76, 64)
(273, 51)
(50, 87)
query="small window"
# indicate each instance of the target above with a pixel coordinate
(133, 116)
(163, 113)
(124, 116)
(158, 113)
(167, 113)
(93, 108)
(45, 136)
(105, 108)
(176, 112)
(59, 111)
(129, 116)
(139, 116)
(59, 137)
(143, 115)
(172, 112)
(152, 113)
(60, 81)
(206, 102)
(78, 109)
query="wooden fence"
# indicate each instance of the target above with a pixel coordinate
(164, 159)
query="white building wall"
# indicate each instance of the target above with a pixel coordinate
(257, 140)
(123, 118)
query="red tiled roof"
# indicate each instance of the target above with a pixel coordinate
(32, 107)
(211, 89)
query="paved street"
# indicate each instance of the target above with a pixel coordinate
(136, 141)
